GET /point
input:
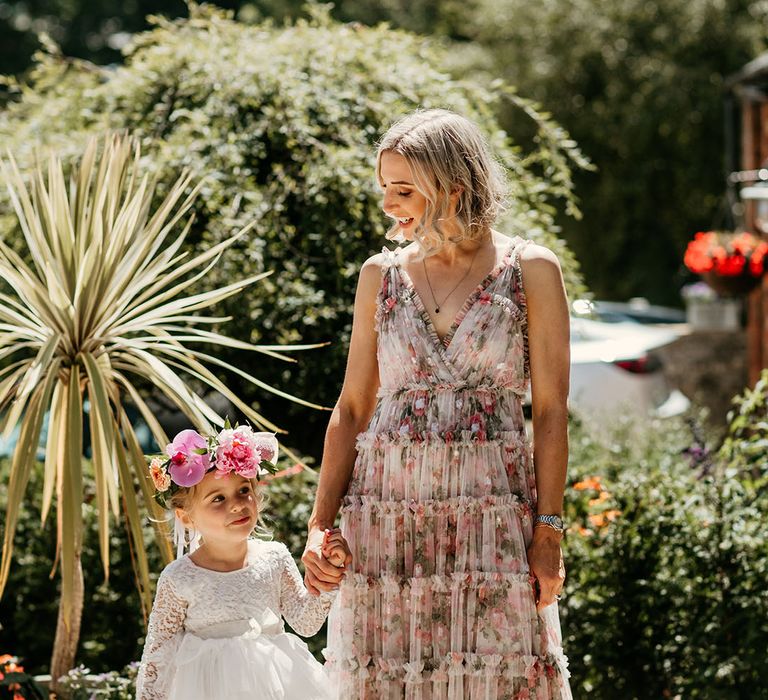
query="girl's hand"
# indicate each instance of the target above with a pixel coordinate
(545, 561)
(319, 574)
(336, 549)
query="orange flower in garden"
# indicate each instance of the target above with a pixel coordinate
(8, 665)
(591, 482)
(598, 519)
(602, 519)
(604, 496)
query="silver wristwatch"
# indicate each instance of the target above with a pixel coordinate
(553, 521)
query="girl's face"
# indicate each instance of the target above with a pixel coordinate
(402, 201)
(222, 510)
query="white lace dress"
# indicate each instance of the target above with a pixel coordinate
(219, 635)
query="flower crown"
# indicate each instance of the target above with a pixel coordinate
(191, 456)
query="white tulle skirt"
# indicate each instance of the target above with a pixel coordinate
(248, 667)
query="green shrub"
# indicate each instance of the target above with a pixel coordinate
(667, 561)
(29, 607)
(282, 123)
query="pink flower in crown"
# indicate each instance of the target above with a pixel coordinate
(160, 476)
(241, 450)
(188, 466)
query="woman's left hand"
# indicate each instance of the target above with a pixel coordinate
(545, 560)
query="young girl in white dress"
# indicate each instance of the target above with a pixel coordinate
(216, 626)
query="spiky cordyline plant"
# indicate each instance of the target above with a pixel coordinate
(99, 304)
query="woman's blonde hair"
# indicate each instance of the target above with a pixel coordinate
(447, 154)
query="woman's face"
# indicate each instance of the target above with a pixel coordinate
(402, 201)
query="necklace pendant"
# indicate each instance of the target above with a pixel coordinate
(437, 310)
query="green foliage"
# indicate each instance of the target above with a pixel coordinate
(667, 561)
(746, 444)
(283, 123)
(29, 608)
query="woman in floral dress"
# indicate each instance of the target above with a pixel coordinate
(451, 515)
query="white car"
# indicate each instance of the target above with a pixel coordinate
(613, 367)
(614, 370)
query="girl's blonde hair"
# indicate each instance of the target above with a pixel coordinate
(447, 154)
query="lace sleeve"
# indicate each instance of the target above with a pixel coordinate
(304, 612)
(166, 626)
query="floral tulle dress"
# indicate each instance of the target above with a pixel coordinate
(438, 514)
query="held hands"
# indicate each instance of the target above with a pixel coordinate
(335, 548)
(320, 573)
(545, 561)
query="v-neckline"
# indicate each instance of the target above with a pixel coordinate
(444, 343)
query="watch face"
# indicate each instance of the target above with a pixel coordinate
(554, 520)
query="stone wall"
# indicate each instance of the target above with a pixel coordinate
(709, 367)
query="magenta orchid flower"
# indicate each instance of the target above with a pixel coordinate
(187, 466)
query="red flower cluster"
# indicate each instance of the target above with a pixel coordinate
(727, 254)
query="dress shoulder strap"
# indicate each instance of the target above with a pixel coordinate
(389, 274)
(518, 294)
(516, 249)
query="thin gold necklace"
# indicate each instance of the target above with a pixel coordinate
(466, 274)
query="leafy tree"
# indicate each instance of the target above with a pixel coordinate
(283, 122)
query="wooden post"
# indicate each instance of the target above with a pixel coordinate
(754, 151)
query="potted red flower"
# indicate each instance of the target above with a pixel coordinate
(731, 263)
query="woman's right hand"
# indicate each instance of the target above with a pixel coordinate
(319, 574)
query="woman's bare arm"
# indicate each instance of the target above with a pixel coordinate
(549, 350)
(350, 416)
